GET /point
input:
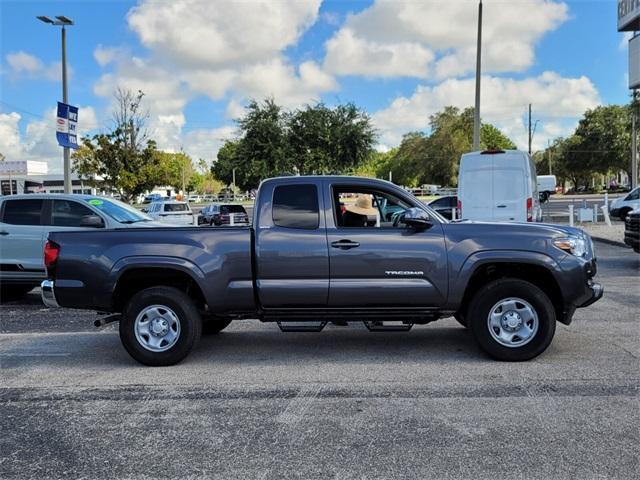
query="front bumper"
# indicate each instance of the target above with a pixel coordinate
(597, 290)
(48, 295)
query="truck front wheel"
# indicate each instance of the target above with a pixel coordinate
(160, 326)
(512, 320)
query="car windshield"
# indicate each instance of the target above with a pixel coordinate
(119, 211)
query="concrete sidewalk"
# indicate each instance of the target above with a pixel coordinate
(601, 232)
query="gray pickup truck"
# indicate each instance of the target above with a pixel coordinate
(327, 248)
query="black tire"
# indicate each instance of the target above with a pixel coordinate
(11, 293)
(187, 315)
(623, 213)
(214, 325)
(490, 295)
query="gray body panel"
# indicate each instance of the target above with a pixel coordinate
(277, 269)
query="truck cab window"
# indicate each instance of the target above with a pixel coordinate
(296, 206)
(373, 209)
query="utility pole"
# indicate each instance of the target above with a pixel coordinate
(529, 129)
(476, 116)
(634, 141)
(63, 21)
(634, 144)
(549, 154)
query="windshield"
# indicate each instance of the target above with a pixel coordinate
(119, 211)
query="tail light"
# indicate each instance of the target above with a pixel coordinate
(51, 252)
(529, 209)
(459, 210)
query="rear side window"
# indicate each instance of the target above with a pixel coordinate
(233, 209)
(296, 206)
(67, 213)
(176, 207)
(22, 212)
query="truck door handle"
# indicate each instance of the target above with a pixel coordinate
(4, 233)
(344, 244)
(501, 206)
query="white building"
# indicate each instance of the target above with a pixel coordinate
(21, 176)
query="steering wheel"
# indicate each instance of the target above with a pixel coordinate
(397, 218)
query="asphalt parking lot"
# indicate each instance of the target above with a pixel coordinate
(253, 402)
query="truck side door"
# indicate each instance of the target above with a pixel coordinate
(292, 259)
(382, 262)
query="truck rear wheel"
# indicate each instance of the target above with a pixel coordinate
(160, 326)
(512, 320)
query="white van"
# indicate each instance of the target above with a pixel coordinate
(498, 186)
(172, 211)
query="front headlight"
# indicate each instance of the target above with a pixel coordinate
(574, 245)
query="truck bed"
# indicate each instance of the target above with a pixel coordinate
(217, 261)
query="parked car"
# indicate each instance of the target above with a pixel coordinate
(621, 206)
(632, 230)
(444, 205)
(154, 197)
(27, 220)
(498, 185)
(172, 212)
(194, 199)
(547, 185)
(221, 214)
(301, 265)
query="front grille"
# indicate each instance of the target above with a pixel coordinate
(632, 224)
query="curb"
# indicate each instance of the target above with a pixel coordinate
(608, 241)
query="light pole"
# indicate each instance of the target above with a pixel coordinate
(63, 21)
(476, 116)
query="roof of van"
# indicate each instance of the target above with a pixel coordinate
(493, 152)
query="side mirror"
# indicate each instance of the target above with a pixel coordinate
(417, 218)
(92, 221)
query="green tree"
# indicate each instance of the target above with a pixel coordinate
(124, 160)
(434, 158)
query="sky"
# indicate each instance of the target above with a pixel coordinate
(199, 62)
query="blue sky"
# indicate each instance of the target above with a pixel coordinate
(199, 61)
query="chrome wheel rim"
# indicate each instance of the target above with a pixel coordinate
(513, 322)
(157, 328)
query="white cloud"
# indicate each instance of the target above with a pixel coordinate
(39, 139)
(205, 143)
(222, 33)
(106, 55)
(392, 28)
(348, 54)
(225, 50)
(24, 65)
(557, 101)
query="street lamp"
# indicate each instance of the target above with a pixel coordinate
(63, 21)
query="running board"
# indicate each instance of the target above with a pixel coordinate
(301, 325)
(387, 326)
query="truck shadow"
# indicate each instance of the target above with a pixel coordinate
(256, 345)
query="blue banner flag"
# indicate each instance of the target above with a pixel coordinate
(67, 125)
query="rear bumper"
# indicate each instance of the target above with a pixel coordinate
(48, 295)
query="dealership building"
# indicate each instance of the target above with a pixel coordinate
(629, 21)
(25, 176)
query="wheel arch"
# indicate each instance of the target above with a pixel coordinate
(132, 275)
(537, 270)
